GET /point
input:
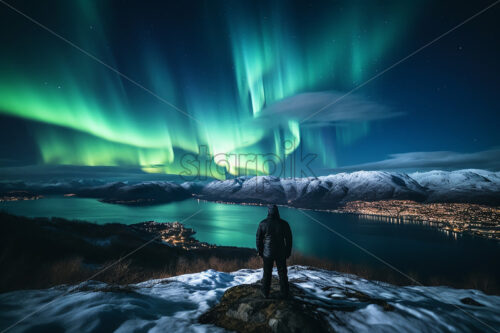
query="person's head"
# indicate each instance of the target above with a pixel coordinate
(273, 211)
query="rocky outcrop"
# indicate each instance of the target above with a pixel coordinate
(244, 309)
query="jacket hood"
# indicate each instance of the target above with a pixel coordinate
(273, 212)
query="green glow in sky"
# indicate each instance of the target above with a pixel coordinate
(84, 114)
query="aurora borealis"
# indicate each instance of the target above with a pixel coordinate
(246, 73)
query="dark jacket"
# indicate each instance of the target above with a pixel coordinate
(274, 237)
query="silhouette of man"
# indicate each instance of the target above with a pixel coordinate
(274, 243)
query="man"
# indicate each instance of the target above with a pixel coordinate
(274, 243)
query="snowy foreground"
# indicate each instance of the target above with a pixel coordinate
(174, 304)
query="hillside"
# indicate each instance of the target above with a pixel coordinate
(344, 302)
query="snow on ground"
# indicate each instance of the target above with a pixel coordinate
(173, 304)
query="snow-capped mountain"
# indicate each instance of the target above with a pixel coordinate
(174, 304)
(325, 192)
(460, 186)
(328, 192)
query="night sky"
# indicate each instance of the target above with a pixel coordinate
(243, 77)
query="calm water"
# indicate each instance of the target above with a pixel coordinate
(410, 247)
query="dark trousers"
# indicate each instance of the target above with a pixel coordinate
(268, 272)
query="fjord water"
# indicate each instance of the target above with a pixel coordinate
(419, 249)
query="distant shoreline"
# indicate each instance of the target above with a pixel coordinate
(477, 220)
(456, 218)
(461, 218)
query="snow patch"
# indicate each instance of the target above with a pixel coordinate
(174, 304)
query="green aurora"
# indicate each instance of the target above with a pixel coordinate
(81, 113)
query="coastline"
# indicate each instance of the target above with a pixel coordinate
(454, 218)
(423, 213)
(458, 218)
(45, 252)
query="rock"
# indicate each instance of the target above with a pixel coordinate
(244, 309)
(367, 299)
(470, 301)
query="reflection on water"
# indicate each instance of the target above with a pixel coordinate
(406, 244)
(409, 220)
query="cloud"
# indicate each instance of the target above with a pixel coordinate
(351, 108)
(487, 159)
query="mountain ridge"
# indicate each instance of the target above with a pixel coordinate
(323, 192)
(329, 192)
